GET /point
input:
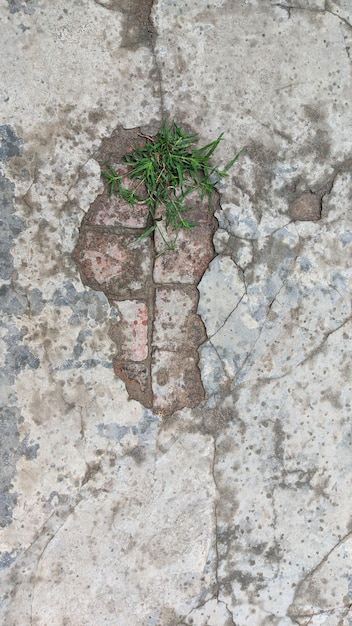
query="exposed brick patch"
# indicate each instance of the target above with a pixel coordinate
(111, 211)
(195, 250)
(130, 333)
(136, 377)
(158, 331)
(114, 263)
(176, 381)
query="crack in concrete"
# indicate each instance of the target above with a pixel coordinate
(342, 19)
(298, 617)
(152, 34)
(63, 511)
(158, 71)
(326, 9)
(20, 572)
(152, 318)
(228, 251)
(236, 380)
(227, 318)
(291, 7)
(312, 354)
(347, 47)
(41, 555)
(322, 192)
(321, 562)
(47, 532)
(216, 547)
(219, 357)
(204, 604)
(230, 615)
(272, 128)
(199, 606)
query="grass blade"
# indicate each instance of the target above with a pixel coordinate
(146, 234)
(233, 161)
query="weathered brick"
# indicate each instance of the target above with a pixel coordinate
(130, 333)
(156, 344)
(115, 264)
(136, 378)
(176, 381)
(113, 211)
(194, 247)
(176, 323)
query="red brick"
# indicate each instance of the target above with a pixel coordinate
(113, 211)
(130, 333)
(176, 382)
(159, 363)
(136, 378)
(307, 207)
(177, 326)
(194, 247)
(109, 262)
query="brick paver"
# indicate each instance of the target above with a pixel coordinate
(158, 331)
(194, 250)
(114, 263)
(130, 332)
(111, 210)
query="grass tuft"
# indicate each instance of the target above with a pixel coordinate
(170, 169)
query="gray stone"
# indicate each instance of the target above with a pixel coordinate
(11, 145)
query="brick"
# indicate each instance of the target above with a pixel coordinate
(113, 211)
(194, 250)
(177, 325)
(156, 346)
(108, 262)
(137, 381)
(130, 333)
(176, 381)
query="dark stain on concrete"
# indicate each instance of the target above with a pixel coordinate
(307, 207)
(137, 28)
(18, 356)
(11, 449)
(22, 6)
(15, 301)
(279, 438)
(6, 558)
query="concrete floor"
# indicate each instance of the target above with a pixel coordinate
(231, 506)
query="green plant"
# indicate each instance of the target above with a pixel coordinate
(169, 169)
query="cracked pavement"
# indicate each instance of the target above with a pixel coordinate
(219, 493)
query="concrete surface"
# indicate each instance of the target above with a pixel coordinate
(236, 508)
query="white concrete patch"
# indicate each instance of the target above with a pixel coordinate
(221, 291)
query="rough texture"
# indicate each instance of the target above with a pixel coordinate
(237, 511)
(157, 330)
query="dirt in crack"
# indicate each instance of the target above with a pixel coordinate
(158, 331)
(137, 28)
